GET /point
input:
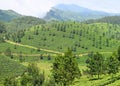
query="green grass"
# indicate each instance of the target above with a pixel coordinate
(10, 68)
(53, 39)
(18, 49)
(45, 65)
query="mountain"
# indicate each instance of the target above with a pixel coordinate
(8, 15)
(73, 12)
(109, 19)
(23, 23)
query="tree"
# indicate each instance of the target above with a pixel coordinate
(39, 80)
(25, 80)
(33, 70)
(37, 77)
(95, 64)
(2, 27)
(118, 53)
(49, 57)
(112, 65)
(65, 69)
(36, 32)
(50, 82)
(41, 57)
(21, 58)
(10, 82)
(1, 39)
(107, 42)
(8, 53)
(7, 82)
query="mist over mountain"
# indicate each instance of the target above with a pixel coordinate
(61, 12)
(65, 12)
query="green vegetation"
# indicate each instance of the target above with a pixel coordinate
(66, 12)
(23, 23)
(63, 63)
(17, 49)
(65, 69)
(95, 64)
(108, 19)
(79, 37)
(10, 68)
(8, 15)
(32, 77)
(40, 47)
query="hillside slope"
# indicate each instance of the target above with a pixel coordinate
(109, 19)
(8, 15)
(65, 12)
(9, 68)
(79, 37)
(24, 22)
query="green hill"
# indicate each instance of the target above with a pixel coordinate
(8, 15)
(2, 27)
(37, 42)
(80, 37)
(109, 19)
(66, 12)
(24, 22)
(9, 68)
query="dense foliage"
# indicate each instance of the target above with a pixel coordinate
(34, 40)
(2, 27)
(65, 69)
(33, 76)
(95, 64)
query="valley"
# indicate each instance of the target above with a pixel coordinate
(75, 46)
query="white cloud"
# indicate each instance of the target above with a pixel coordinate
(27, 7)
(40, 7)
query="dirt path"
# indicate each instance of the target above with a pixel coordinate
(27, 55)
(46, 50)
(103, 52)
(28, 46)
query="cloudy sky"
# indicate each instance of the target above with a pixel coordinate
(38, 8)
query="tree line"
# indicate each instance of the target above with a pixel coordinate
(65, 70)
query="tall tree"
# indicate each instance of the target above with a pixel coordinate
(118, 53)
(95, 64)
(113, 65)
(8, 53)
(2, 27)
(25, 80)
(10, 82)
(65, 69)
(37, 77)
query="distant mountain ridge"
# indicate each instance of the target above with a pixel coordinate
(14, 21)
(108, 19)
(24, 22)
(65, 12)
(8, 15)
(72, 7)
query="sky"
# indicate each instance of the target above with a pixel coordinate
(39, 8)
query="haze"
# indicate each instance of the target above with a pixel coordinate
(38, 8)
